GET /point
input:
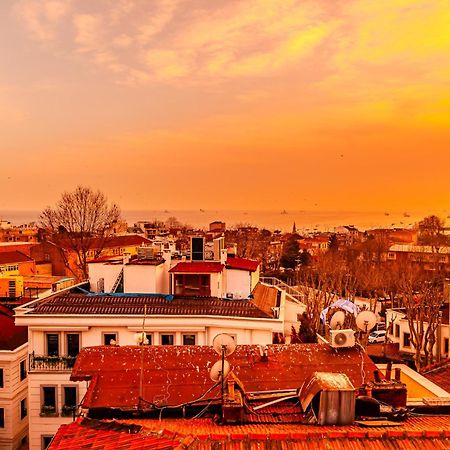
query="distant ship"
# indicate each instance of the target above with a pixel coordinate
(406, 214)
(386, 213)
(202, 210)
(166, 211)
(284, 211)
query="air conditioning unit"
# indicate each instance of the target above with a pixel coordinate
(342, 338)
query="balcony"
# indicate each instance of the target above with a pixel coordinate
(44, 363)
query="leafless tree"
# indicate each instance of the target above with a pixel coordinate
(80, 222)
(422, 298)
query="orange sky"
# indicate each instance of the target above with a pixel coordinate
(246, 104)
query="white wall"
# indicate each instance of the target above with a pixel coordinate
(109, 272)
(13, 391)
(139, 279)
(239, 283)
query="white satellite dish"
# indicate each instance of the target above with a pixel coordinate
(366, 320)
(224, 344)
(337, 320)
(215, 372)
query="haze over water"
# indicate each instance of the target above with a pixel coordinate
(272, 220)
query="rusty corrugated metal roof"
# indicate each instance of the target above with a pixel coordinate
(180, 374)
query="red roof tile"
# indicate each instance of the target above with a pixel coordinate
(79, 304)
(415, 433)
(187, 369)
(13, 257)
(242, 264)
(94, 434)
(197, 267)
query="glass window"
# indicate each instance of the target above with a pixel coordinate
(52, 344)
(23, 370)
(188, 339)
(167, 339)
(1, 378)
(73, 344)
(149, 339)
(48, 400)
(446, 342)
(109, 338)
(2, 418)
(23, 408)
(70, 400)
(397, 330)
(406, 340)
(46, 440)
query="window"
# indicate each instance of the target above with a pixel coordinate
(73, 344)
(188, 339)
(23, 370)
(167, 339)
(446, 342)
(52, 344)
(70, 400)
(23, 408)
(149, 339)
(397, 330)
(1, 378)
(48, 400)
(2, 418)
(46, 440)
(109, 338)
(406, 340)
(192, 285)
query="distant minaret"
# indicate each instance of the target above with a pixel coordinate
(294, 229)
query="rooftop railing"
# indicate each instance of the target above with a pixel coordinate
(51, 363)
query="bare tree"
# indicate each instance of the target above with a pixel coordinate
(80, 222)
(422, 298)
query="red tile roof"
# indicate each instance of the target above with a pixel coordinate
(197, 267)
(186, 368)
(129, 304)
(439, 374)
(13, 257)
(11, 336)
(242, 264)
(94, 434)
(416, 433)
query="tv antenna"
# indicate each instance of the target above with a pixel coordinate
(224, 345)
(337, 320)
(366, 320)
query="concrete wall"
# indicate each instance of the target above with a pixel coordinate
(109, 272)
(239, 283)
(14, 390)
(140, 279)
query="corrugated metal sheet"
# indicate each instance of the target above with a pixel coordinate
(179, 374)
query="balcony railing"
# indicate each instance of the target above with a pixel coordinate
(51, 363)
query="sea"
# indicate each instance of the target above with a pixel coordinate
(284, 220)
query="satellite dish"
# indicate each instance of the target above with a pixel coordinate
(366, 320)
(337, 320)
(216, 370)
(224, 344)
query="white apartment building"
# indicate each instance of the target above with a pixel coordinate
(61, 324)
(401, 333)
(13, 383)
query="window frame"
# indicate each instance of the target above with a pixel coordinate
(42, 400)
(23, 370)
(406, 339)
(63, 397)
(2, 378)
(167, 334)
(46, 436)
(2, 418)
(46, 342)
(66, 342)
(194, 335)
(105, 333)
(23, 408)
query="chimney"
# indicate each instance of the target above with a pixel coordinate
(388, 371)
(398, 373)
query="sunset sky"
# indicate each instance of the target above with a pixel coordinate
(227, 104)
